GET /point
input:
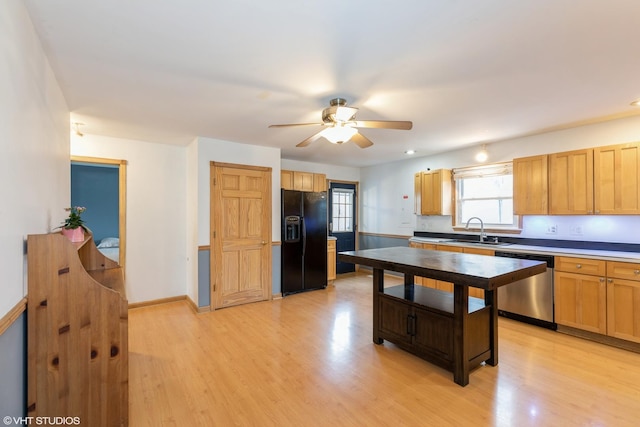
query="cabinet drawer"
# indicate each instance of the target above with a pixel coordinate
(623, 270)
(593, 267)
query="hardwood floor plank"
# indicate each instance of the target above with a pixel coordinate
(309, 360)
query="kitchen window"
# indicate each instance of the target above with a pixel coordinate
(486, 192)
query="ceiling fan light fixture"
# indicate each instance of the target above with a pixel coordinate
(339, 134)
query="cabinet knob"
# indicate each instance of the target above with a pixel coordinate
(263, 243)
(578, 265)
(636, 272)
(601, 279)
(610, 280)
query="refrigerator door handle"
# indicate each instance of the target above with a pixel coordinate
(304, 235)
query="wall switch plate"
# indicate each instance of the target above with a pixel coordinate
(552, 229)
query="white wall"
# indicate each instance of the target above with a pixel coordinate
(230, 152)
(157, 222)
(34, 148)
(192, 220)
(384, 186)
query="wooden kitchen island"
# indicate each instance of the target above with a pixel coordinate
(453, 331)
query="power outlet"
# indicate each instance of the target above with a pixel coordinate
(576, 230)
(552, 229)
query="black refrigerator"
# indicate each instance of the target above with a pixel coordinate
(304, 241)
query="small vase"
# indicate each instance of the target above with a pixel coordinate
(74, 234)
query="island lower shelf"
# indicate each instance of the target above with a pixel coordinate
(421, 320)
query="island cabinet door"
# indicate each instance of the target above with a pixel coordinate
(432, 334)
(395, 318)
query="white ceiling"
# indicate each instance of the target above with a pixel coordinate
(464, 71)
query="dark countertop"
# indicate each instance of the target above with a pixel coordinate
(625, 252)
(478, 271)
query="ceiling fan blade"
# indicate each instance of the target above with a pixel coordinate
(383, 124)
(310, 139)
(296, 124)
(361, 140)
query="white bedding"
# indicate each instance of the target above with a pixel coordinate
(111, 253)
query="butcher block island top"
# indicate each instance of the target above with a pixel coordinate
(451, 330)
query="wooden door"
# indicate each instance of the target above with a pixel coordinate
(616, 183)
(530, 188)
(571, 183)
(240, 234)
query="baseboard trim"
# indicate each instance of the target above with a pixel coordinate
(157, 301)
(13, 314)
(276, 296)
(195, 308)
(602, 339)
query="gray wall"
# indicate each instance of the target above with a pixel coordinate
(372, 242)
(13, 369)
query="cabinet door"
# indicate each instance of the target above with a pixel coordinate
(571, 183)
(616, 183)
(286, 180)
(433, 333)
(394, 319)
(302, 181)
(436, 192)
(319, 182)
(581, 301)
(331, 260)
(623, 309)
(530, 185)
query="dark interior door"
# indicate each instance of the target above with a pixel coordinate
(342, 220)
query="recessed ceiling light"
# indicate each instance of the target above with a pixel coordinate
(636, 103)
(410, 152)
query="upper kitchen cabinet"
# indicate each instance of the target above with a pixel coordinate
(434, 191)
(530, 185)
(617, 179)
(302, 181)
(571, 183)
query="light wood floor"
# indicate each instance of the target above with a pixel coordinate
(308, 360)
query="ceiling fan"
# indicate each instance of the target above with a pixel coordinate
(341, 125)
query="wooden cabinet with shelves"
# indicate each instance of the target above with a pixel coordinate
(530, 185)
(434, 190)
(421, 320)
(331, 261)
(77, 332)
(302, 181)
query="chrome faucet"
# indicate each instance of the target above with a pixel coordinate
(482, 236)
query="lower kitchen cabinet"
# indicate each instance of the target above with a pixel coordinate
(580, 301)
(607, 303)
(331, 260)
(623, 300)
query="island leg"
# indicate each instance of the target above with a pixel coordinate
(460, 326)
(378, 286)
(491, 298)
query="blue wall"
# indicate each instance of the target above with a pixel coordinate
(13, 369)
(96, 188)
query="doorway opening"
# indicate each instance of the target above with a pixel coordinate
(343, 220)
(100, 186)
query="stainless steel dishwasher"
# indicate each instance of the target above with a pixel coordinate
(529, 300)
